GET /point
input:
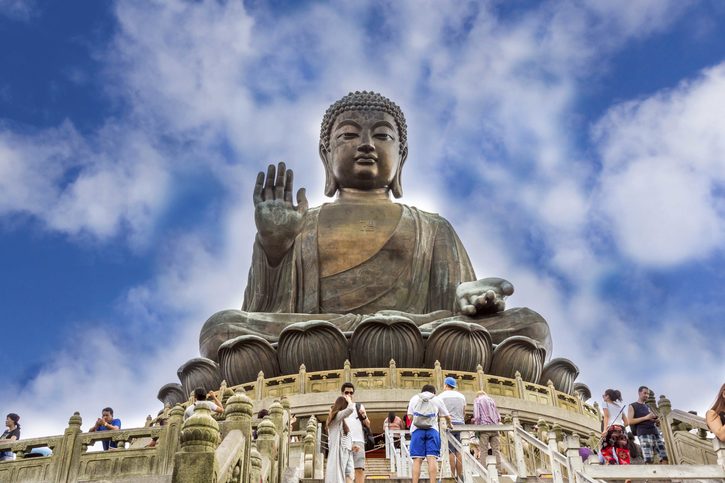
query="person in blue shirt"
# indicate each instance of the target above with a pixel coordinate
(106, 423)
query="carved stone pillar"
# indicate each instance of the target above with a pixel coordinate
(267, 445)
(196, 462)
(255, 464)
(169, 440)
(310, 442)
(69, 453)
(238, 411)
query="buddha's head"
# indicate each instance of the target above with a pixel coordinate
(363, 144)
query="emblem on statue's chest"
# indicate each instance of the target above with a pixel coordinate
(367, 225)
(349, 235)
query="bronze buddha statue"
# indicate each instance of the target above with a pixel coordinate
(363, 277)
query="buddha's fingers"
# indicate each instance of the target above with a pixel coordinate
(465, 306)
(269, 184)
(289, 181)
(258, 187)
(302, 204)
(279, 182)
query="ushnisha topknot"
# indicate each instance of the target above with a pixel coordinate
(364, 101)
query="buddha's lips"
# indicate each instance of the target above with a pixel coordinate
(365, 160)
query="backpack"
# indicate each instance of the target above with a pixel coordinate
(425, 413)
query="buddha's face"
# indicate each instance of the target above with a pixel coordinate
(364, 150)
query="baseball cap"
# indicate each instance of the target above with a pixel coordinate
(450, 382)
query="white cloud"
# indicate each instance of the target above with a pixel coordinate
(664, 171)
(235, 92)
(18, 9)
(112, 184)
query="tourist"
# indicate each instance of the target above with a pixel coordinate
(339, 439)
(107, 423)
(613, 410)
(455, 403)
(485, 412)
(12, 434)
(355, 422)
(425, 442)
(715, 416)
(642, 422)
(201, 399)
(394, 423)
(614, 446)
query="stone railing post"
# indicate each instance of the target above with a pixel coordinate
(520, 385)
(556, 475)
(310, 443)
(393, 374)
(664, 408)
(346, 372)
(572, 454)
(446, 470)
(480, 378)
(281, 425)
(239, 412)
(196, 461)
(69, 452)
(259, 387)
(543, 429)
(518, 446)
(168, 442)
(552, 393)
(255, 465)
(438, 376)
(492, 469)
(267, 446)
(302, 379)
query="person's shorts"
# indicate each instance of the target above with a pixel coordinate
(425, 442)
(358, 457)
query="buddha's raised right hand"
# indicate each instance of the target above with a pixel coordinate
(278, 220)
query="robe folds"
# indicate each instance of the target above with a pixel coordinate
(416, 271)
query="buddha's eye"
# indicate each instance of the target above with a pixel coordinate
(383, 136)
(347, 135)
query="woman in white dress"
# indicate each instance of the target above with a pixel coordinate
(339, 457)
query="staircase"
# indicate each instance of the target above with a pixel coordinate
(377, 469)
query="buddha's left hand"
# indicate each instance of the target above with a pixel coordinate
(485, 296)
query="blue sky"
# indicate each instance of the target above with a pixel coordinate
(578, 148)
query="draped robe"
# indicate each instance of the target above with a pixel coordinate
(416, 271)
(413, 273)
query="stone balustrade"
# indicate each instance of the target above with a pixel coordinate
(390, 388)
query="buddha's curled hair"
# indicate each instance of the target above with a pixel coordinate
(364, 101)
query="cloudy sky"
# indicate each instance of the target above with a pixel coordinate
(578, 147)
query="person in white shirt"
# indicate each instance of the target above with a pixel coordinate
(424, 410)
(455, 402)
(355, 421)
(201, 399)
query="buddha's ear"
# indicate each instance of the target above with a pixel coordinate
(397, 185)
(330, 183)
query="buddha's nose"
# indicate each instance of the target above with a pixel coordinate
(366, 144)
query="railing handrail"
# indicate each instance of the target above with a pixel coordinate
(228, 454)
(22, 444)
(689, 418)
(468, 459)
(485, 428)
